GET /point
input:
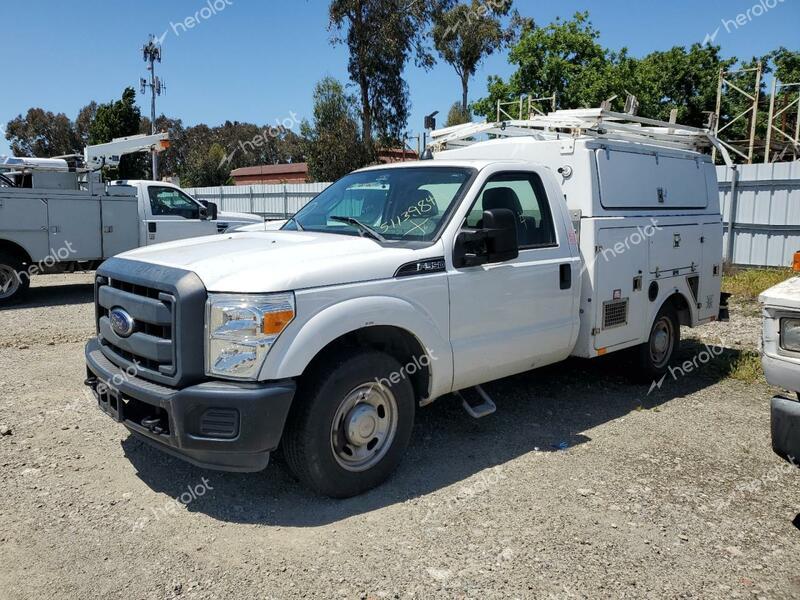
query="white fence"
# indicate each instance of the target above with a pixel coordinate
(765, 201)
(271, 201)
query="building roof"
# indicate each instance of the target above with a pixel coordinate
(280, 169)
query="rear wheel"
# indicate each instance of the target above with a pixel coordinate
(662, 344)
(14, 282)
(352, 424)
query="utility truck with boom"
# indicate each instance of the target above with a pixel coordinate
(580, 233)
(57, 215)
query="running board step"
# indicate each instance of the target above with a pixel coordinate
(476, 402)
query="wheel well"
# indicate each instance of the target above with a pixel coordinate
(13, 249)
(681, 306)
(399, 343)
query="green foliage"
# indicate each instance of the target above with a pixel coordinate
(382, 36)
(787, 63)
(748, 284)
(333, 144)
(467, 33)
(117, 118)
(457, 115)
(120, 118)
(566, 58)
(42, 133)
(562, 58)
(680, 78)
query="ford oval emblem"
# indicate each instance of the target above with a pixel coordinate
(121, 322)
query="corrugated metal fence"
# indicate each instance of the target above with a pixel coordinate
(271, 201)
(765, 199)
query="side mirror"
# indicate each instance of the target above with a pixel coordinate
(495, 242)
(211, 210)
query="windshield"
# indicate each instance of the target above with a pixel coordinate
(408, 203)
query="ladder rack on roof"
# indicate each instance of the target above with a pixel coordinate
(592, 122)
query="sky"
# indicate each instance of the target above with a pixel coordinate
(258, 60)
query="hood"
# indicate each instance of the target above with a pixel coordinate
(275, 261)
(783, 295)
(261, 226)
(239, 217)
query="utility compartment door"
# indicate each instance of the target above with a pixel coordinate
(619, 273)
(23, 219)
(74, 227)
(120, 225)
(630, 180)
(675, 250)
(711, 271)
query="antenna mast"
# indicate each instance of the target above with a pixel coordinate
(151, 52)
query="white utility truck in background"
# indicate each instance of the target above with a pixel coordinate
(580, 233)
(780, 356)
(57, 215)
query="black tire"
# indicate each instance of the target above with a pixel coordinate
(14, 280)
(316, 450)
(653, 358)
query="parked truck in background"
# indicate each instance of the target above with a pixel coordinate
(55, 217)
(583, 233)
(781, 361)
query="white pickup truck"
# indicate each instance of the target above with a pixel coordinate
(58, 227)
(401, 284)
(781, 360)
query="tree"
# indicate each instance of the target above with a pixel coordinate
(42, 133)
(381, 36)
(84, 121)
(566, 58)
(679, 78)
(467, 33)
(563, 58)
(457, 115)
(333, 145)
(120, 118)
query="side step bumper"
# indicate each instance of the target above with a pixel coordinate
(476, 402)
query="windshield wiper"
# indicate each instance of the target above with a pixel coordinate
(365, 229)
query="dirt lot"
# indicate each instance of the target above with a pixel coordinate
(581, 485)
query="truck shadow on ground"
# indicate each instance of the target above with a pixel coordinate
(545, 410)
(55, 295)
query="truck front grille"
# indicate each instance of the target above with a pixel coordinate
(150, 348)
(166, 306)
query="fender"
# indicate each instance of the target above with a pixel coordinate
(292, 354)
(680, 287)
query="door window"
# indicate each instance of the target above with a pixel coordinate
(524, 195)
(169, 202)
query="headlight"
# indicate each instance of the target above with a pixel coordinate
(790, 334)
(241, 329)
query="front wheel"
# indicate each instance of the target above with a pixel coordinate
(352, 424)
(662, 344)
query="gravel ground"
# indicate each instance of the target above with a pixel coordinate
(581, 485)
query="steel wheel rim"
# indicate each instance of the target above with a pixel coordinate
(364, 427)
(9, 282)
(662, 342)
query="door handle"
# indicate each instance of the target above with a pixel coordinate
(565, 276)
(151, 227)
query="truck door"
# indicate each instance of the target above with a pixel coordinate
(74, 225)
(170, 215)
(510, 317)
